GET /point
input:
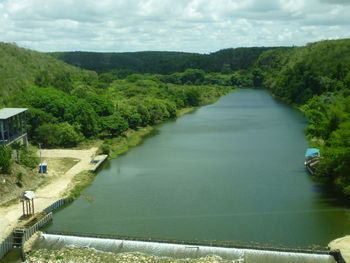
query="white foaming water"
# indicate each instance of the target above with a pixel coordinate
(53, 241)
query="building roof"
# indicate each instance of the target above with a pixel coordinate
(312, 152)
(28, 195)
(6, 113)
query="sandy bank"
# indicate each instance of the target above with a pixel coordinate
(342, 244)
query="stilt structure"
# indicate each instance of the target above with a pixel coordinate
(27, 200)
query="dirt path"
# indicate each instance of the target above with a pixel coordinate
(52, 191)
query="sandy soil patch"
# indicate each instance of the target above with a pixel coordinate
(342, 244)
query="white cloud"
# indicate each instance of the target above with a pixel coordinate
(183, 25)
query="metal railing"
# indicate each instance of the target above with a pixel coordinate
(30, 231)
(57, 204)
(6, 245)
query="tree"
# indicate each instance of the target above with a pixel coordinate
(86, 118)
(37, 117)
(5, 159)
(17, 146)
(114, 124)
(60, 134)
(258, 77)
(193, 76)
(101, 105)
(130, 114)
(192, 97)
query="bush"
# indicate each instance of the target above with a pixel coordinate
(5, 159)
(105, 148)
(114, 124)
(28, 157)
(60, 134)
(192, 97)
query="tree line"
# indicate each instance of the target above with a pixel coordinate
(66, 116)
(160, 62)
(131, 90)
(316, 79)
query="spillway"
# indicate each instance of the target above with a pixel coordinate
(176, 250)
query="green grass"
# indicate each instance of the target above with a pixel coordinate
(121, 145)
(79, 183)
(14, 256)
(186, 110)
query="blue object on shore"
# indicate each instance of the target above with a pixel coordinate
(42, 168)
(311, 152)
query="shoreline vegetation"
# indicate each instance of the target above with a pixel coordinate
(314, 78)
(69, 171)
(118, 105)
(68, 105)
(76, 112)
(119, 146)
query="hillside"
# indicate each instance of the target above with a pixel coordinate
(21, 68)
(68, 105)
(296, 75)
(163, 62)
(316, 78)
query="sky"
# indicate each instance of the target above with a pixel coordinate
(200, 26)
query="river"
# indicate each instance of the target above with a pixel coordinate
(232, 170)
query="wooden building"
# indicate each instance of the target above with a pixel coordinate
(13, 125)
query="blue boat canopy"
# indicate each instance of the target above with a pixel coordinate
(310, 152)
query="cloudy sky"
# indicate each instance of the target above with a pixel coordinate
(181, 25)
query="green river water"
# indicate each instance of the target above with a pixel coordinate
(232, 170)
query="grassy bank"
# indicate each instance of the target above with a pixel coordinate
(79, 183)
(186, 110)
(120, 145)
(116, 147)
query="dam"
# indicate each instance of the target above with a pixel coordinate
(189, 251)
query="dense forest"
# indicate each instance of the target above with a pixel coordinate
(316, 79)
(164, 62)
(68, 105)
(120, 91)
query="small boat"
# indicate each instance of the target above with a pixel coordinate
(312, 158)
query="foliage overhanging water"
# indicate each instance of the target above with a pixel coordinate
(228, 171)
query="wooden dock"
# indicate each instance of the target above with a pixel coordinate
(97, 161)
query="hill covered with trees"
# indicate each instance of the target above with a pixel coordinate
(164, 62)
(316, 78)
(21, 68)
(68, 105)
(131, 90)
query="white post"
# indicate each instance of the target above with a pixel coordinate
(40, 165)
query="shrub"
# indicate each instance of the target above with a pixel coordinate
(5, 159)
(60, 134)
(114, 124)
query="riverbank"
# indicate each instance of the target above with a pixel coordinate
(219, 148)
(68, 173)
(57, 185)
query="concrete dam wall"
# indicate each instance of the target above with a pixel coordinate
(176, 250)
